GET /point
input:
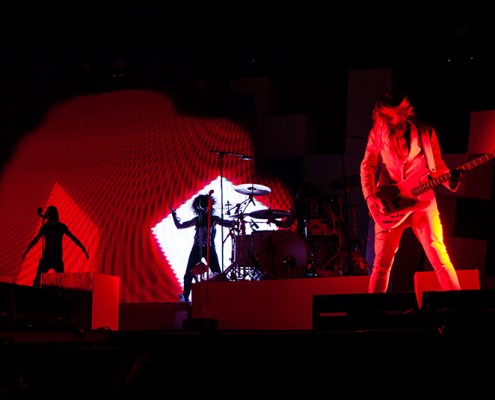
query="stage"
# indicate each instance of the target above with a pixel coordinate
(313, 336)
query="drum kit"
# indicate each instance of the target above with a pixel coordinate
(284, 253)
(252, 253)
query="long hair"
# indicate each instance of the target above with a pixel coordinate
(385, 106)
(51, 213)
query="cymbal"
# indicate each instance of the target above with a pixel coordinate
(252, 189)
(267, 214)
(345, 182)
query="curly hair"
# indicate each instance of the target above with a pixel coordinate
(200, 203)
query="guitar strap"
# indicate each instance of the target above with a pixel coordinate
(424, 134)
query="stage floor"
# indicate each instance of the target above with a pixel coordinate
(139, 364)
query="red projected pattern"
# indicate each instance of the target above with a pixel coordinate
(112, 163)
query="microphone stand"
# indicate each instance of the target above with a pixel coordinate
(43, 244)
(220, 158)
(221, 154)
(349, 268)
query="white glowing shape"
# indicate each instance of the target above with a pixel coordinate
(176, 243)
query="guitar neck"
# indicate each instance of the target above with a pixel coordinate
(445, 177)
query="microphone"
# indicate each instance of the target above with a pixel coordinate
(210, 201)
(243, 157)
(40, 212)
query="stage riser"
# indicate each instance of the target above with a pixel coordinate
(280, 304)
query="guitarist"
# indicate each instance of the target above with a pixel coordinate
(401, 147)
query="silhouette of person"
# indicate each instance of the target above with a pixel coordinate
(52, 231)
(202, 207)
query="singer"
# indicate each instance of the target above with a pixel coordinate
(52, 231)
(204, 217)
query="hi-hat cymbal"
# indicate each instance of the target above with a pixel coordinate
(252, 189)
(267, 214)
(345, 182)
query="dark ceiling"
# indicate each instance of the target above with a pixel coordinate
(54, 50)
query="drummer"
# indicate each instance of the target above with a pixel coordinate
(307, 205)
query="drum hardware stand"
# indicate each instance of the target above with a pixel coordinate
(338, 260)
(344, 250)
(221, 154)
(346, 183)
(359, 264)
(244, 266)
(288, 262)
(270, 249)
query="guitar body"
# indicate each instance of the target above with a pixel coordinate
(399, 203)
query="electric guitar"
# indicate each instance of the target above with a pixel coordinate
(400, 200)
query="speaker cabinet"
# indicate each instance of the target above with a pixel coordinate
(426, 281)
(366, 311)
(102, 290)
(461, 310)
(26, 308)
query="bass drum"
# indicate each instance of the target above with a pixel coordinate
(283, 254)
